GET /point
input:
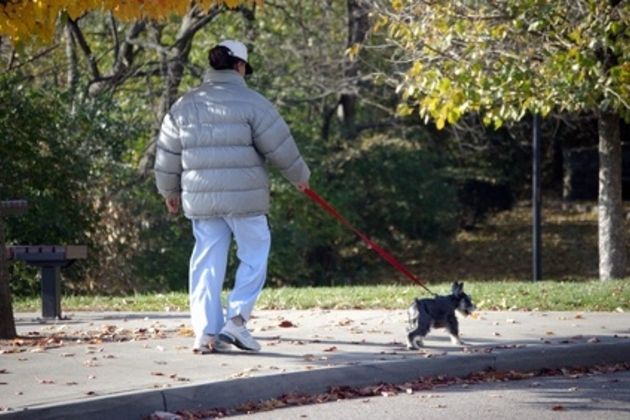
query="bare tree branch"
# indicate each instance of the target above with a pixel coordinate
(114, 31)
(188, 30)
(36, 57)
(87, 51)
(71, 55)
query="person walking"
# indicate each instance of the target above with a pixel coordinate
(211, 158)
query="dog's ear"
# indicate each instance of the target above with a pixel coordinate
(456, 288)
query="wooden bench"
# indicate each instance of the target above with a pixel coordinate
(49, 258)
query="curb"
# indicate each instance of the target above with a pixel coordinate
(231, 393)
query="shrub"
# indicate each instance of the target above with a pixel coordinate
(391, 189)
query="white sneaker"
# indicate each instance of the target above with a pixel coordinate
(208, 343)
(202, 344)
(219, 346)
(239, 336)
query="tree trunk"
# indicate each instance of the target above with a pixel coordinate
(173, 65)
(72, 75)
(612, 251)
(173, 62)
(7, 323)
(358, 26)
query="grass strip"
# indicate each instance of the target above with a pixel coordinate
(496, 295)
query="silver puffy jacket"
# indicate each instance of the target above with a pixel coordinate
(213, 145)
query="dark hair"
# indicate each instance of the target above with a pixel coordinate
(220, 58)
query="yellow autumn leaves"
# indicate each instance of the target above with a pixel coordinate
(37, 19)
(503, 60)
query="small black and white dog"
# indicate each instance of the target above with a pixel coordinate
(439, 312)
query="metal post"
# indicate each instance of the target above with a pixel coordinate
(51, 292)
(536, 202)
(51, 302)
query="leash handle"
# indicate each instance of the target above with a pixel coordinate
(371, 244)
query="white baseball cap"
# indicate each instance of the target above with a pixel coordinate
(239, 50)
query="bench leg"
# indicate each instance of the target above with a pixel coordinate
(51, 292)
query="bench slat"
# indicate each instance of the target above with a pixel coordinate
(13, 207)
(46, 252)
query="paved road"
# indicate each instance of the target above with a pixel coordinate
(128, 365)
(602, 396)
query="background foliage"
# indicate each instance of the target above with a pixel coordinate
(78, 118)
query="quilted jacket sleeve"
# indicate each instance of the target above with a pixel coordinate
(273, 139)
(168, 162)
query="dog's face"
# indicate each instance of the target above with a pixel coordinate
(464, 302)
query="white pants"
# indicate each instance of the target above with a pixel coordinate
(208, 264)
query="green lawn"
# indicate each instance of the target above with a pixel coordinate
(546, 295)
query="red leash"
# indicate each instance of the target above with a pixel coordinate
(371, 244)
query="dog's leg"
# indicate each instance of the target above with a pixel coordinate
(415, 337)
(417, 342)
(412, 314)
(413, 329)
(456, 340)
(453, 330)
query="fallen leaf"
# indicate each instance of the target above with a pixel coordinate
(91, 362)
(186, 332)
(286, 324)
(557, 408)
(331, 349)
(165, 415)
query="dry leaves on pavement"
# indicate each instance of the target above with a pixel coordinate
(336, 393)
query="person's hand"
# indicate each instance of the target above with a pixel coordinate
(173, 204)
(302, 186)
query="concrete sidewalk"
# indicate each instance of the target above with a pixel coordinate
(129, 365)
